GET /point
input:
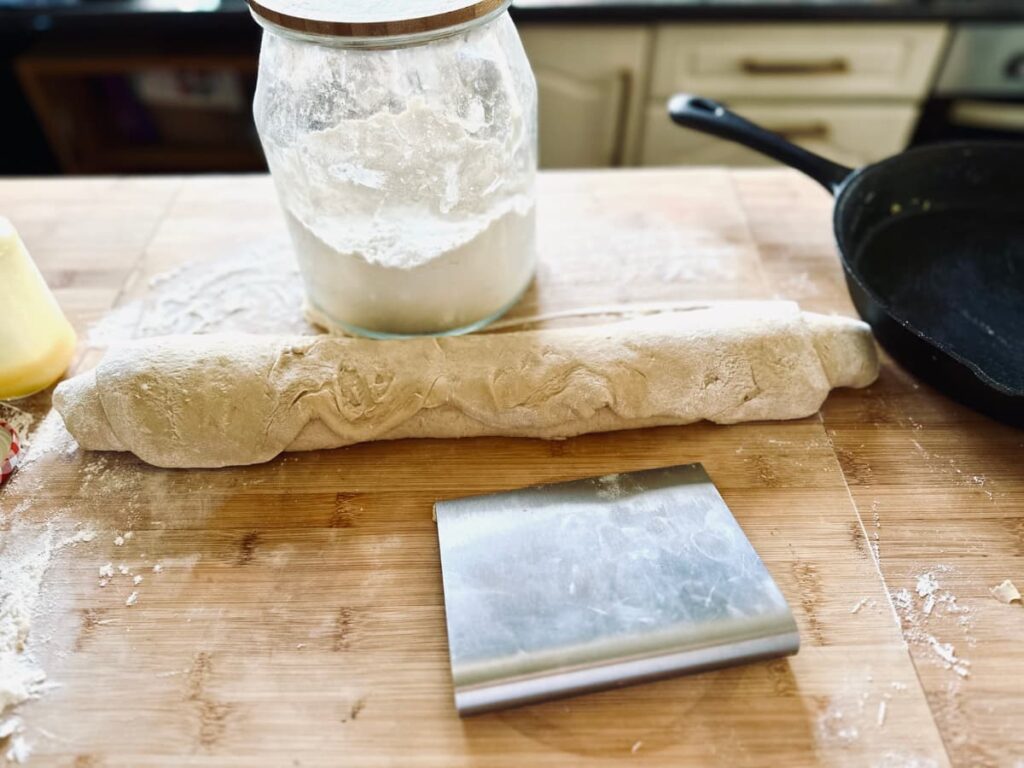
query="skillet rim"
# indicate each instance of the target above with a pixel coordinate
(842, 194)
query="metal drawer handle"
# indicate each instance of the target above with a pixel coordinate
(804, 132)
(835, 66)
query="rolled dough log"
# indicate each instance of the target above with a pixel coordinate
(220, 400)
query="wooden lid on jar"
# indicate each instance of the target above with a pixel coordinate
(373, 18)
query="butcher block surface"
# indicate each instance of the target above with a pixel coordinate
(297, 616)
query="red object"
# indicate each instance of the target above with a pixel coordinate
(10, 461)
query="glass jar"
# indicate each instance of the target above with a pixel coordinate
(405, 161)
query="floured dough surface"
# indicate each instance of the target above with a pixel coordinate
(220, 400)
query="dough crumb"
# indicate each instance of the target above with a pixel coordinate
(128, 535)
(944, 651)
(926, 584)
(136, 580)
(122, 569)
(860, 604)
(119, 541)
(157, 568)
(104, 582)
(883, 709)
(636, 747)
(1006, 592)
(107, 570)
(132, 599)
(926, 602)
(929, 605)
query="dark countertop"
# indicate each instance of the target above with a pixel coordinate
(42, 15)
(794, 10)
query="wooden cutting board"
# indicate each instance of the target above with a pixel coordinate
(297, 618)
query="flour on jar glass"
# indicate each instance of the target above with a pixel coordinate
(406, 175)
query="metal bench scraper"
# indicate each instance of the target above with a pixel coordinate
(591, 584)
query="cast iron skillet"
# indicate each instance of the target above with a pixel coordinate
(932, 245)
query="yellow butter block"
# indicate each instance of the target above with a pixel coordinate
(36, 340)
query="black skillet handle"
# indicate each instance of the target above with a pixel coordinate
(711, 117)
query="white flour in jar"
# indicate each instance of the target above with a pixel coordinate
(409, 198)
(470, 279)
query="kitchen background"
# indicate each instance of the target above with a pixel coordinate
(150, 86)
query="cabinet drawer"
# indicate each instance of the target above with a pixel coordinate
(849, 134)
(801, 61)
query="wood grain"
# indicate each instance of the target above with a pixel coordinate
(298, 617)
(941, 486)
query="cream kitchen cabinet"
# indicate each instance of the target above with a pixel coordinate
(797, 61)
(592, 87)
(852, 134)
(851, 91)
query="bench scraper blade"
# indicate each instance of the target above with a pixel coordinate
(562, 589)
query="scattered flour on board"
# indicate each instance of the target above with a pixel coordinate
(874, 539)
(928, 601)
(926, 584)
(658, 252)
(835, 726)
(24, 563)
(30, 542)
(26, 551)
(857, 709)
(257, 291)
(929, 612)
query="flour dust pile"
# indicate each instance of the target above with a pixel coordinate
(25, 555)
(253, 291)
(929, 600)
